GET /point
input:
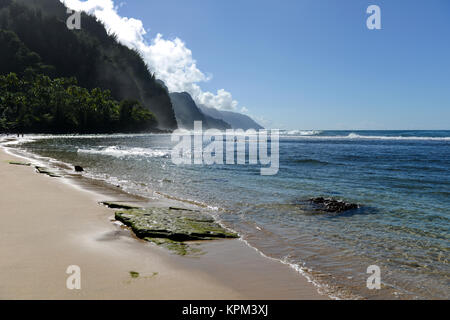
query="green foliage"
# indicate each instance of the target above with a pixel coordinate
(35, 36)
(16, 57)
(36, 103)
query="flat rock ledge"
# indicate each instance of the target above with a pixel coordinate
(47, 172)
(18, 163)
(172, 227)
(118, 205)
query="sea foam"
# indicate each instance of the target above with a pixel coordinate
(127, 152)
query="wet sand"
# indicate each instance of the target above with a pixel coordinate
(48, 224)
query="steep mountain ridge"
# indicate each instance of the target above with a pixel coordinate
(186, 112)
(236, 120)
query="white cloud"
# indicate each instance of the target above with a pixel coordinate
(170, 60)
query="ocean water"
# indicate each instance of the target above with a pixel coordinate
(401, 179)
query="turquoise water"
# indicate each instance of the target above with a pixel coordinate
(401, 179)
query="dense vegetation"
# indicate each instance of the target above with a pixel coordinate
(34, 38)
(37, 103)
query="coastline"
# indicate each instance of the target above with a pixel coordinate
(49, 224)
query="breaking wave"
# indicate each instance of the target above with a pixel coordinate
(314, 134)
(301, 132)
(357, 136)
(127, 152)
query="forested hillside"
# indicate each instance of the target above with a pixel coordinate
(36, 103)
(34, 39)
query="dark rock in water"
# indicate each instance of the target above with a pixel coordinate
(175, 225)
(171, 227)
(332, 205)
(79, 169)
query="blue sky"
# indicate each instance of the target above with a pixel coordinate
(313, 64)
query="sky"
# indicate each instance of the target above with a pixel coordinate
(297, 64)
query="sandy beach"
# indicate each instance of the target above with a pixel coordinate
(48, 224)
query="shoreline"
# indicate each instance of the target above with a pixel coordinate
(61, 222)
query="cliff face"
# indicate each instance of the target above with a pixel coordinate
(236, 120)
(186, 112)
(92, 56)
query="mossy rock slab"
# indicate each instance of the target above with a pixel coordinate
(16, 163)
(177, 247)
(47, 171)
(176, 225)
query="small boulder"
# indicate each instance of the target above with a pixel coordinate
(333, 205)
(79, 169)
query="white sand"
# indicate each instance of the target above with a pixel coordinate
(47, 224)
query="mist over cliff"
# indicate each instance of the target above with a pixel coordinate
(186, 112)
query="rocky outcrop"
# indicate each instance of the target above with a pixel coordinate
(176, 225)
(172, 227)
(332, 205)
